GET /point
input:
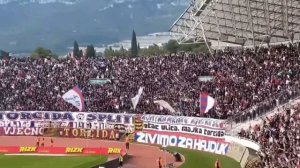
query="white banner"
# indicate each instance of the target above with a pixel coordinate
(183, 141)
(195, 130)
(193, 121)
(66, 116)
(96, 119)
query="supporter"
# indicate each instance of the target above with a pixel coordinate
(245, 84)
(279, 137)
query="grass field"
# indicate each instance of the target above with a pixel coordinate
(50, 161)
(199, 159)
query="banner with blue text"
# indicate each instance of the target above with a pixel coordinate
(97, 120)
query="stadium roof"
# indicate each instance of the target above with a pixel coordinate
(242, 22)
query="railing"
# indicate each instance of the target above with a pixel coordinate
(281, 99)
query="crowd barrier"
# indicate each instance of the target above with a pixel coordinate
(281, 99)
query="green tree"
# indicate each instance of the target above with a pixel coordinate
(172, 46)
(123, 52)
(76, 51)
(41, 52)
(3, 54)
(153, 50)
(90, 51)
(80, 53)
(134, 47)
(139, 48)
(109, 52)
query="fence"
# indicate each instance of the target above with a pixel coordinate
(283, 99)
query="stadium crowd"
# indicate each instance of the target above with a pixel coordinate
(279, 137)
(242, 79)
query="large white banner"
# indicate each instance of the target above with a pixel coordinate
(183, 141)
(36, 119)
(195, 130)
(96, 120)
(107, 118)
(194, 121)
(66, 117)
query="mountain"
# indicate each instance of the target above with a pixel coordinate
(55, 24)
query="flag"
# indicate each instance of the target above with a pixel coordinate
(206, 102)
(75, 97)
(164, 104)
(135, 99)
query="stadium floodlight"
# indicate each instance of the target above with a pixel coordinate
(241, 22)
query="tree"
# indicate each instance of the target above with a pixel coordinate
(41, 52)
(172, 46)
(139, 48)
(76, 52)
(123, 52)
(3, 54)
(109, 52)
(90, 51)
(134, 47)
(80, 53)
(153, 50)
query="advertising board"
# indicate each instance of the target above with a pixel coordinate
(60, 150)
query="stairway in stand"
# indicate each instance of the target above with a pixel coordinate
(253, 163)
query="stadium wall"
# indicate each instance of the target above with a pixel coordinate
(240, 148)
(242, 141)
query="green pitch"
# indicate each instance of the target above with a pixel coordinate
(199, 159)
(50, 161)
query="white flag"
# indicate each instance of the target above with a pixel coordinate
(164, 104)
(135, 99)
(75, 97)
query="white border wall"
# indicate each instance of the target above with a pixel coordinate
(244, 142)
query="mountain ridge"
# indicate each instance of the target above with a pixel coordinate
(56, 25)
(24, 2)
